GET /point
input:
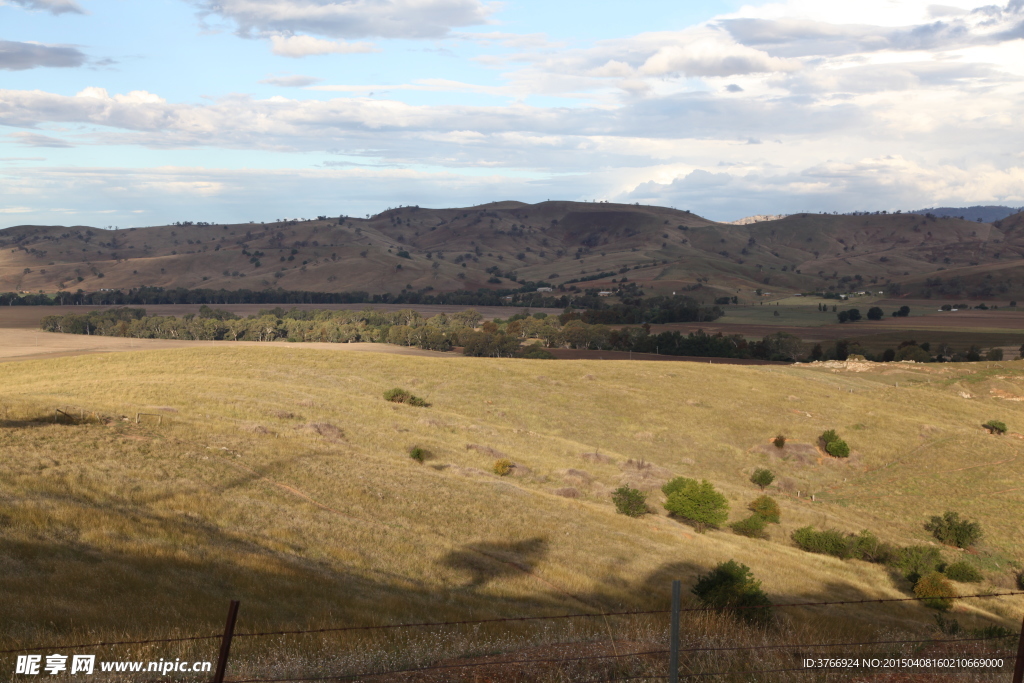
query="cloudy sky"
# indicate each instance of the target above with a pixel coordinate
(123, 112)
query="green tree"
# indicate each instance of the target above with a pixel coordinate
(730, 587)
(952, 530)
(630, 502)
(762, 478)
(766, 508)
(875, 313)
(696, 502)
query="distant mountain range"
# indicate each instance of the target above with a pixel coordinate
(985, 214)
(560, 244)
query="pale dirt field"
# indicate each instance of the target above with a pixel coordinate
(24, 344)
(30, 316)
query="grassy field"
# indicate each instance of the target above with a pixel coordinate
(279, 476)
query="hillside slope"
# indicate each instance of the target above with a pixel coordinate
(281, 477)
(499, 245)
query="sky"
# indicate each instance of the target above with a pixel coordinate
(128, 113)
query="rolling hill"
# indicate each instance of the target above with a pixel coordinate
(281, 477)
(503, 244)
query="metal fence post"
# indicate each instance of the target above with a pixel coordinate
(1018, 669)
(225, 643)
(673, 646)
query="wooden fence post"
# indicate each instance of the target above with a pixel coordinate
(225, 643)
(1018, 669)
(673, 646)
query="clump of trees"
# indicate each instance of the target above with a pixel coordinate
(863, 546)
(696, 502)
(952, 530)
(731, 588)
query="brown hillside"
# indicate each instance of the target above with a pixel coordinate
(467, 248)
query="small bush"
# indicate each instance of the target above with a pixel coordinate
(779, 441)
(937, 591)
(766, 508)
(536, 352)
(696, 502)
(827, 436)
(762, 478)
(1020, 581)
(917, 560)
(963, 572)
(995, 427)
(952, 530)
(838, 449)
(751, 527)
(630, 502)
(730, 587)
(403, 396)
(866, 546)
(825, 542)
(418, 454)
(503, 467)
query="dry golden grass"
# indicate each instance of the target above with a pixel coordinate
(280, 477)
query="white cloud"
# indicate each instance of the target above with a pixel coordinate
(305, 46)
(17, 56)
(52, 6)
(351, 18)
(37, 140)
(291, 81)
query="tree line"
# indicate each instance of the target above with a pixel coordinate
(440, 332)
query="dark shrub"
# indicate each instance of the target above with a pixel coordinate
(875, 313)
(838, 448)
(937, 591)
(917, 560)
(825, 542)
(963, 572)
(762, 478)
(536, 352)
(779, 441)
(403, 396)
(866, 546)
(952, 530)
(730, 587)
(766, 508)
(630, 502)
(695, 502)
(419, 454)
(833, 445)
(752, 527)
(1020, 581)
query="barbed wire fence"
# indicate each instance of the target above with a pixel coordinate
(669, 656)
